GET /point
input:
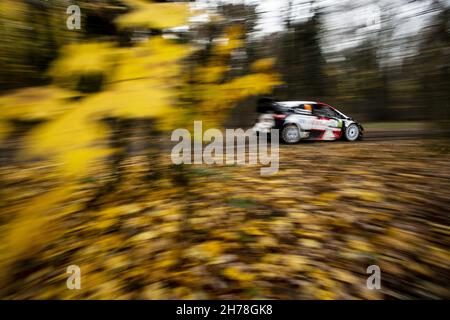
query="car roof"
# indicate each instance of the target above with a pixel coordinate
(294, 103)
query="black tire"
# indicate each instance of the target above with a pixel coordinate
(352, 132)
(290, 134)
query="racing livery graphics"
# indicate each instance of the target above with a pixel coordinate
(306, 120)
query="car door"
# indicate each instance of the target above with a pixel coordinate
(327, 122)
(302, 116)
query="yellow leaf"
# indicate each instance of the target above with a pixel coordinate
(309, 243)
(235, 273)
(328, 196)
(360, 246)
(263, 65)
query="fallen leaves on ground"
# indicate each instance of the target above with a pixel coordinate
(308, 232)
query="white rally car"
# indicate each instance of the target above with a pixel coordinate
(306, 120)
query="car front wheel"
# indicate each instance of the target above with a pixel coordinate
(352, 132)
(290, 134)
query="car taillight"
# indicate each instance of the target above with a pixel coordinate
(279, 116)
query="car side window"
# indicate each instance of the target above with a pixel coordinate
(306, 107)
(324, 111)
(294, 107)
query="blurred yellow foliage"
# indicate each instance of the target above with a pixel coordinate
(147, 80)
(78, 59)
(154, 15)
(263, 65)
(38, 103)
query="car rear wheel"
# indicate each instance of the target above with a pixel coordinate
(290, 134)
(352, 132)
